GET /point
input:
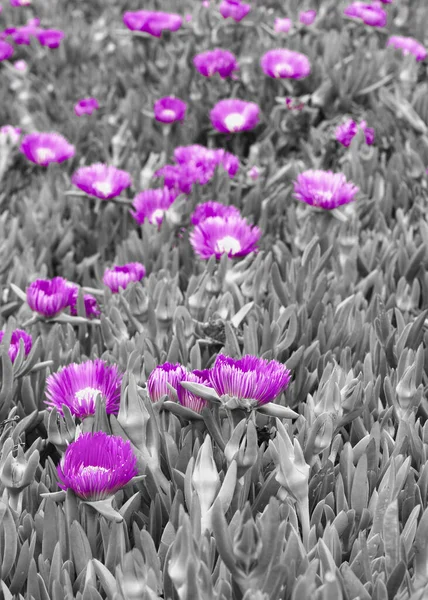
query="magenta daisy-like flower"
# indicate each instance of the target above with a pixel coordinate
(224, 235)
(250, 381)
(90, 302)
(152, 22)
(307, 17)
(212, 209)
(97, 465)
(48, 297)
(6, 50)
(169, 109)
(232, 115)
(86, 106)
(324, 189)
(121, 276)
(408, 45)
(285, 64)
(102, 181)
(346, 132)
(235, 9)
(51, 38)
(214, 61)
(152, 205)
(78, 385)
(189, 399)
(161, 376)
(46, 148)
(282, 25)
(370, 14)
(20, 2)
(15, 339)
(22, 35)
(11, 134)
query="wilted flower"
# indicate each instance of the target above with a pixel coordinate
(212, 209)
(169, 109)
(235, 9)
(346, 132)
(307, 17)
(50, 37)
(189, 399)
(162, 375)
(102, 181)
(48, 297)
(97, 465)
(324, 189)
(249, 381)
(233, 115)
(6, 50)
(408, 45)
(283, 63)
(224, 235)
(214, 61)
(86, 106)
(46, 148)
(153, 22)
(152, 205)
(18, 335)
(11, 134)
(78, 385)
(370, 14)
(282, 25)
(121, 276)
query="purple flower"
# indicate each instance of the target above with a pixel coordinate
(224, 235)
(46, 148)
(282, 25)
(408, 45)
(370, 14)
(324, 189)
(346, 132)
(153, 22)
(91, 305)
(235, 9)
(285, 64)
(97, 465)
(231, 116)
(250, 381)
(161, 376)
(6, 50)
(214, 61)
(121, 276)
(20, 2)
(50, 37)
(152, 205)
(10, 134)
(254, 173)
(307, 17)
(20, 65)
(102, 181)
(78, 385)
(212, 209)
(48, 297)
(187, 398)
(86, 106)
(22, 35)
(169, 109)
(18, 335)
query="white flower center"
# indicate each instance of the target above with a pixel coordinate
(92, 470)
(157, 216)
(168, 114)
(103, 187)
(228, 244)
(323, 196)
(45, 154)
(283, 69)
(87, 394)
(234, 121)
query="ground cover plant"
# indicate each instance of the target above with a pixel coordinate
(214, 300)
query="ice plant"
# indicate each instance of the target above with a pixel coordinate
(6, 50)
(161, 376)
(46, 148)
(10, 134)
(152, 204)
(408, 45)
(101, 180)
(233, 115)
(20, 2)
(50, 37)
(17, 335)
(235, 9)
(285, 64)
(282, 25)
(324, 189)
(307, 17)
(49, 297)
(22, 35)
(97, 465)
(121, 276)
(86, 106)
(152, 22)
(224, 235)
(346, 132)
(248, 382)
(169, 109)
(90, 302)
(212, 209)
(214, 61)
(189, 399)
(20, 65)
(370, 14)
(78, 385)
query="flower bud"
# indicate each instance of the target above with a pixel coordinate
(133, 415)
(205, 478)
(408, 395)
(18, 472)
(242, 447)
(61, 431)
(247, 543)
(292, 470)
